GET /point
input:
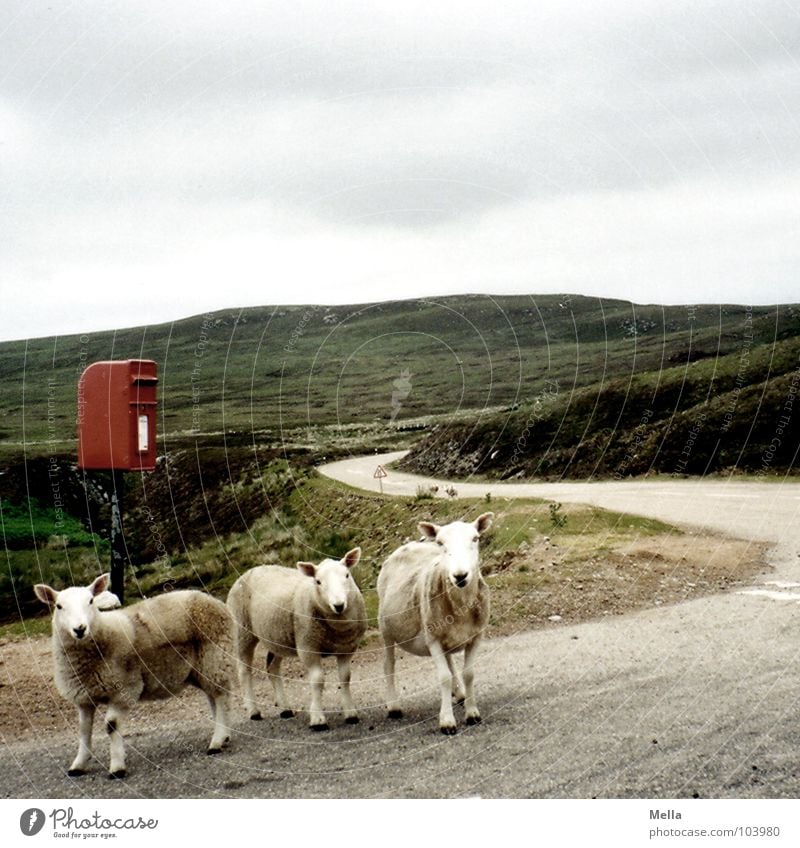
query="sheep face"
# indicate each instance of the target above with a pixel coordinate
(74, 609)
(459, 547)
(334, 583)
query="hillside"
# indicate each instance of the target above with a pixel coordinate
(729, 408)
(250, 401)
(273, 369)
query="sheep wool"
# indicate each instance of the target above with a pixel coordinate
(433, 601)
(311, 612)
(148, 651)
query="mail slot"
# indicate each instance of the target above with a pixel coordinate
(117, 415)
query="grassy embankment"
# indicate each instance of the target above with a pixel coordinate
(731, 413)
(281, 372)
(582, 563)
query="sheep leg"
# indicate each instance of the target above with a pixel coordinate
(85, 724)
(472, 712)
(447, 721)
(343, 665)
(115, 715)
(458, 683)
(219, 712)
(245, 648)
(276, 679)
(392, 701)
(316, 679)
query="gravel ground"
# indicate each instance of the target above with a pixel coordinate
(689, 699)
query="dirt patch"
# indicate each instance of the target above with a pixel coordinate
(542, 585)
(551, 584)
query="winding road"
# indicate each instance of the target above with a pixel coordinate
(695, 699)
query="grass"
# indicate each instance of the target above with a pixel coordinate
(724, 413)
(43, 544)
(278, 370)
(28, 628)
(34, 525)
(597, 563)
(321, 518)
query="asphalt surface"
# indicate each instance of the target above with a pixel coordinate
(698, 699)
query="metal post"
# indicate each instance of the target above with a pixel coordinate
(118, 551)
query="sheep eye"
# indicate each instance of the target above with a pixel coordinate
(475, 539)
(440, 543)
(319, 582)
(58, 606)
(91, 601)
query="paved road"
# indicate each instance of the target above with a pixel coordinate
(756, 510)
(700, 698)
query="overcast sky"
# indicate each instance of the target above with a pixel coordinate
(158, 159)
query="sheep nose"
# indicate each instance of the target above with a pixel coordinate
(461, 580)
(79, 631)
(338, 608)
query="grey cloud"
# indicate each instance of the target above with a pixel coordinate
(136, 126)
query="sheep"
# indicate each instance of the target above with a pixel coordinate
(311, 612)
(434, 602)
(147, 651)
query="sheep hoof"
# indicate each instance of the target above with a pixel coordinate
(395, 713)
(459, 700)
(450, 730)
(119, 774)
(76, 773)
(319, 727)
(287, 713)
(352, 720)
(255, 717)
(474, 719)
(212, 751)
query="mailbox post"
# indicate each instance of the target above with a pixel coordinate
(117, 433)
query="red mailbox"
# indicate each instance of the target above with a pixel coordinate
(117, 415)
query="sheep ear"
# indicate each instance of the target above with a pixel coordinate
(428, 530)
(308, 568)
(351, 558)
(100, 584)
(484, 522)
(45, 594)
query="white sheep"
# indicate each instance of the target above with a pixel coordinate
(434, 602)
(311, 612)
(147, 651)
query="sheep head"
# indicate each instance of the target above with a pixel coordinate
(334, 583)
(459, 543)
(74, 609)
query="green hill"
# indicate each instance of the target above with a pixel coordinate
(250, 401)
(451, 360)
(724, 404)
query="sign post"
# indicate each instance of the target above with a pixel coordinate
(380, 473)
(117, 433)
